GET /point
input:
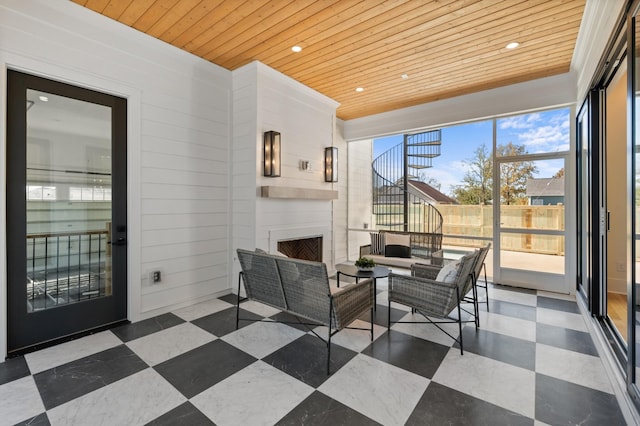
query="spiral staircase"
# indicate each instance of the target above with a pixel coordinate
(397, 206)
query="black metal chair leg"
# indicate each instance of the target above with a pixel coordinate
(372, 324)
(460, 323)
(238, 300)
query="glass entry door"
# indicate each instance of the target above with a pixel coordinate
(66, 210)
(531, 195)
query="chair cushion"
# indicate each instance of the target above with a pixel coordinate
(397, 245)
(449, 272)
(377, 243)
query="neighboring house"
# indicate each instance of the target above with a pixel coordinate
(545, 191)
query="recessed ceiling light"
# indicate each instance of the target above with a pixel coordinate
(405, 76)
(359, 89)
(296, 49)
(43, 98)
(513, 45)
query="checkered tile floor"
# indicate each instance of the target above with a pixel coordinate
(531, 362)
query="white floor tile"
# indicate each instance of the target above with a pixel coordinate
(428, 331)
(260, 338)
(509, 326)
(203, 309)
(257, 395)
(501, 384)
(259, 308)
(561, 296)
(19, 400)
(561, 319)
(511, 296)
(385, 393)
(575, 367)
(134, 400)
(356, 340)
(70, 351)
(166, 344)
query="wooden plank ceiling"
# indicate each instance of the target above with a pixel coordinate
(444, 48)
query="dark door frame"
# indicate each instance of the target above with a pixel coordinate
(30, 331)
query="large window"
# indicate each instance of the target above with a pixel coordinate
(508, 170)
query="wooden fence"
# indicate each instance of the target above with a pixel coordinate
(470, 221)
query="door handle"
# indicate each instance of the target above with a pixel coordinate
(119, 242)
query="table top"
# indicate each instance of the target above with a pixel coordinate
(353, 271)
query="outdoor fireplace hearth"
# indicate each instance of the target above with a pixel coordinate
(310, 243)
(302, 248)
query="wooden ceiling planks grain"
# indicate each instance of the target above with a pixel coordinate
(446, 47)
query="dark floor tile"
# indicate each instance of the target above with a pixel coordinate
(319, 409)
(558, 304)
(509, 309)
(13, 369)
(203, 367)
(185, 414)
(224, 322)
(292, 321)
(74, 379)
(560, 337)
(441, 405)
(306, 359)
(39, 420)
(518, 352)
(231, 298)
(130, 332)
(563, 403)
(410, 353)
(381, 315)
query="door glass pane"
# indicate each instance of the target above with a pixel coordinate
(533, 133)
(68, 195)
(532, 197)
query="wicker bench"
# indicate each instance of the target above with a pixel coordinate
(424, 246)
(301, 288)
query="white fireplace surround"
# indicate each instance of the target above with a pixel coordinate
(276, 235)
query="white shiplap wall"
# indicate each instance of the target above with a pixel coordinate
(267, 100)
(178, 137)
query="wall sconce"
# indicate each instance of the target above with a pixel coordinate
(271, 152)
(331, 164)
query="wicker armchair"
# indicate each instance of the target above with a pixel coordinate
(301, 288)
(434, 299)
(431, 272)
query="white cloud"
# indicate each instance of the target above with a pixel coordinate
(519, 122)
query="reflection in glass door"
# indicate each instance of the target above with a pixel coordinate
(616, 200)
(67, 210)
(68, 201)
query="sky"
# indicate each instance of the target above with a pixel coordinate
(540, 132)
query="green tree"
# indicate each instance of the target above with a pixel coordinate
(477, 184)
(478, 180)
(514, 174)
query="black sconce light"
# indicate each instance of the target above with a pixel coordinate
(331, 164)
(271, 152)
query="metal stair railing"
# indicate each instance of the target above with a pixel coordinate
(395, 207)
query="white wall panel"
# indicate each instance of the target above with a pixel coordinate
(179, 136)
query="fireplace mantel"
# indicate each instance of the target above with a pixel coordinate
(298, 193)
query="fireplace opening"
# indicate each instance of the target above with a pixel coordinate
(302, 248)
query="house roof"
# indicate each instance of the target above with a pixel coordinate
(432, 192)
(401, 52)
(545, 187)
(395, 194)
